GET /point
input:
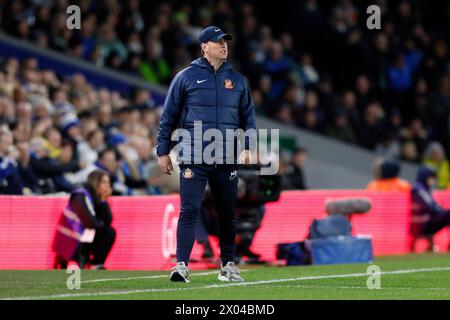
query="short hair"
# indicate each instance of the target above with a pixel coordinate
(300, 150)
(102, 153)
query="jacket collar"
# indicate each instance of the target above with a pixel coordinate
(203, 63)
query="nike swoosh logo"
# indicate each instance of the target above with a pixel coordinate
(216, 30)
(200, 81)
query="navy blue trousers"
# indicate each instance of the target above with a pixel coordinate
(222, 180)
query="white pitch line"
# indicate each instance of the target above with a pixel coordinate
(215, 286)
(147, 277)
(355, 287)
(121, 279)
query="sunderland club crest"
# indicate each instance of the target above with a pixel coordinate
(228, 84)
(188, 173)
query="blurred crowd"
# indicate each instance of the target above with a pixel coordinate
(310, 63)
(54, 132)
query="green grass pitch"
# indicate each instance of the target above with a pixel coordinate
(424, 276)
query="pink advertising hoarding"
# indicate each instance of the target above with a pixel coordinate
(146, 227)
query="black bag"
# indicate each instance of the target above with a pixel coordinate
(295, 253)
(332, 226)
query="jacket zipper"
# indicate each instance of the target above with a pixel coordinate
(217, 120)
(215, 83)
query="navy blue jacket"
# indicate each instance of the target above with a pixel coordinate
(424, 207)
(221, 100)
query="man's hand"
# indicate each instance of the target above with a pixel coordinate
(246, 157)
(165, 164)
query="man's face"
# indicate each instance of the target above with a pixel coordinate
(216, 50)
(6, 140)
(299, 158)
(109, 161)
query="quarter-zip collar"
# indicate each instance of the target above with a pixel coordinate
(204, 64)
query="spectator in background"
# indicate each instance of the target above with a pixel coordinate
(348, 103)
(378, 58)
(405, 18)
(409, 151)
(372, 125)
(438, 112)
(387, 178)
(87, 35)
(50, 171)
(388, 147)
(122, 172)
(344, 16)
(89, 149)
(144, 163)
(27, 176)
(132, 65)
(310, 120)
(294, 96)
(400, 74)
(108, 161)
(89, 216)
(420, 106)
(394, 123)
(277, 66)
(10, 182)
(363, 91)
(340, 128)
(294, 175)
(108, 42)
(413, 56)
(415, 133)
(129, 161)
(308, 73)
(427, 216)
(69, 125)
(435, 158)
(265, 86)
(53, 142)
(311, 115)
(154, 68)
(131, 18)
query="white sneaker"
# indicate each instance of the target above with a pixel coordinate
(180, 273)
(230, 273)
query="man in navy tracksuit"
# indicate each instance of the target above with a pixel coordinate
(210, 91)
